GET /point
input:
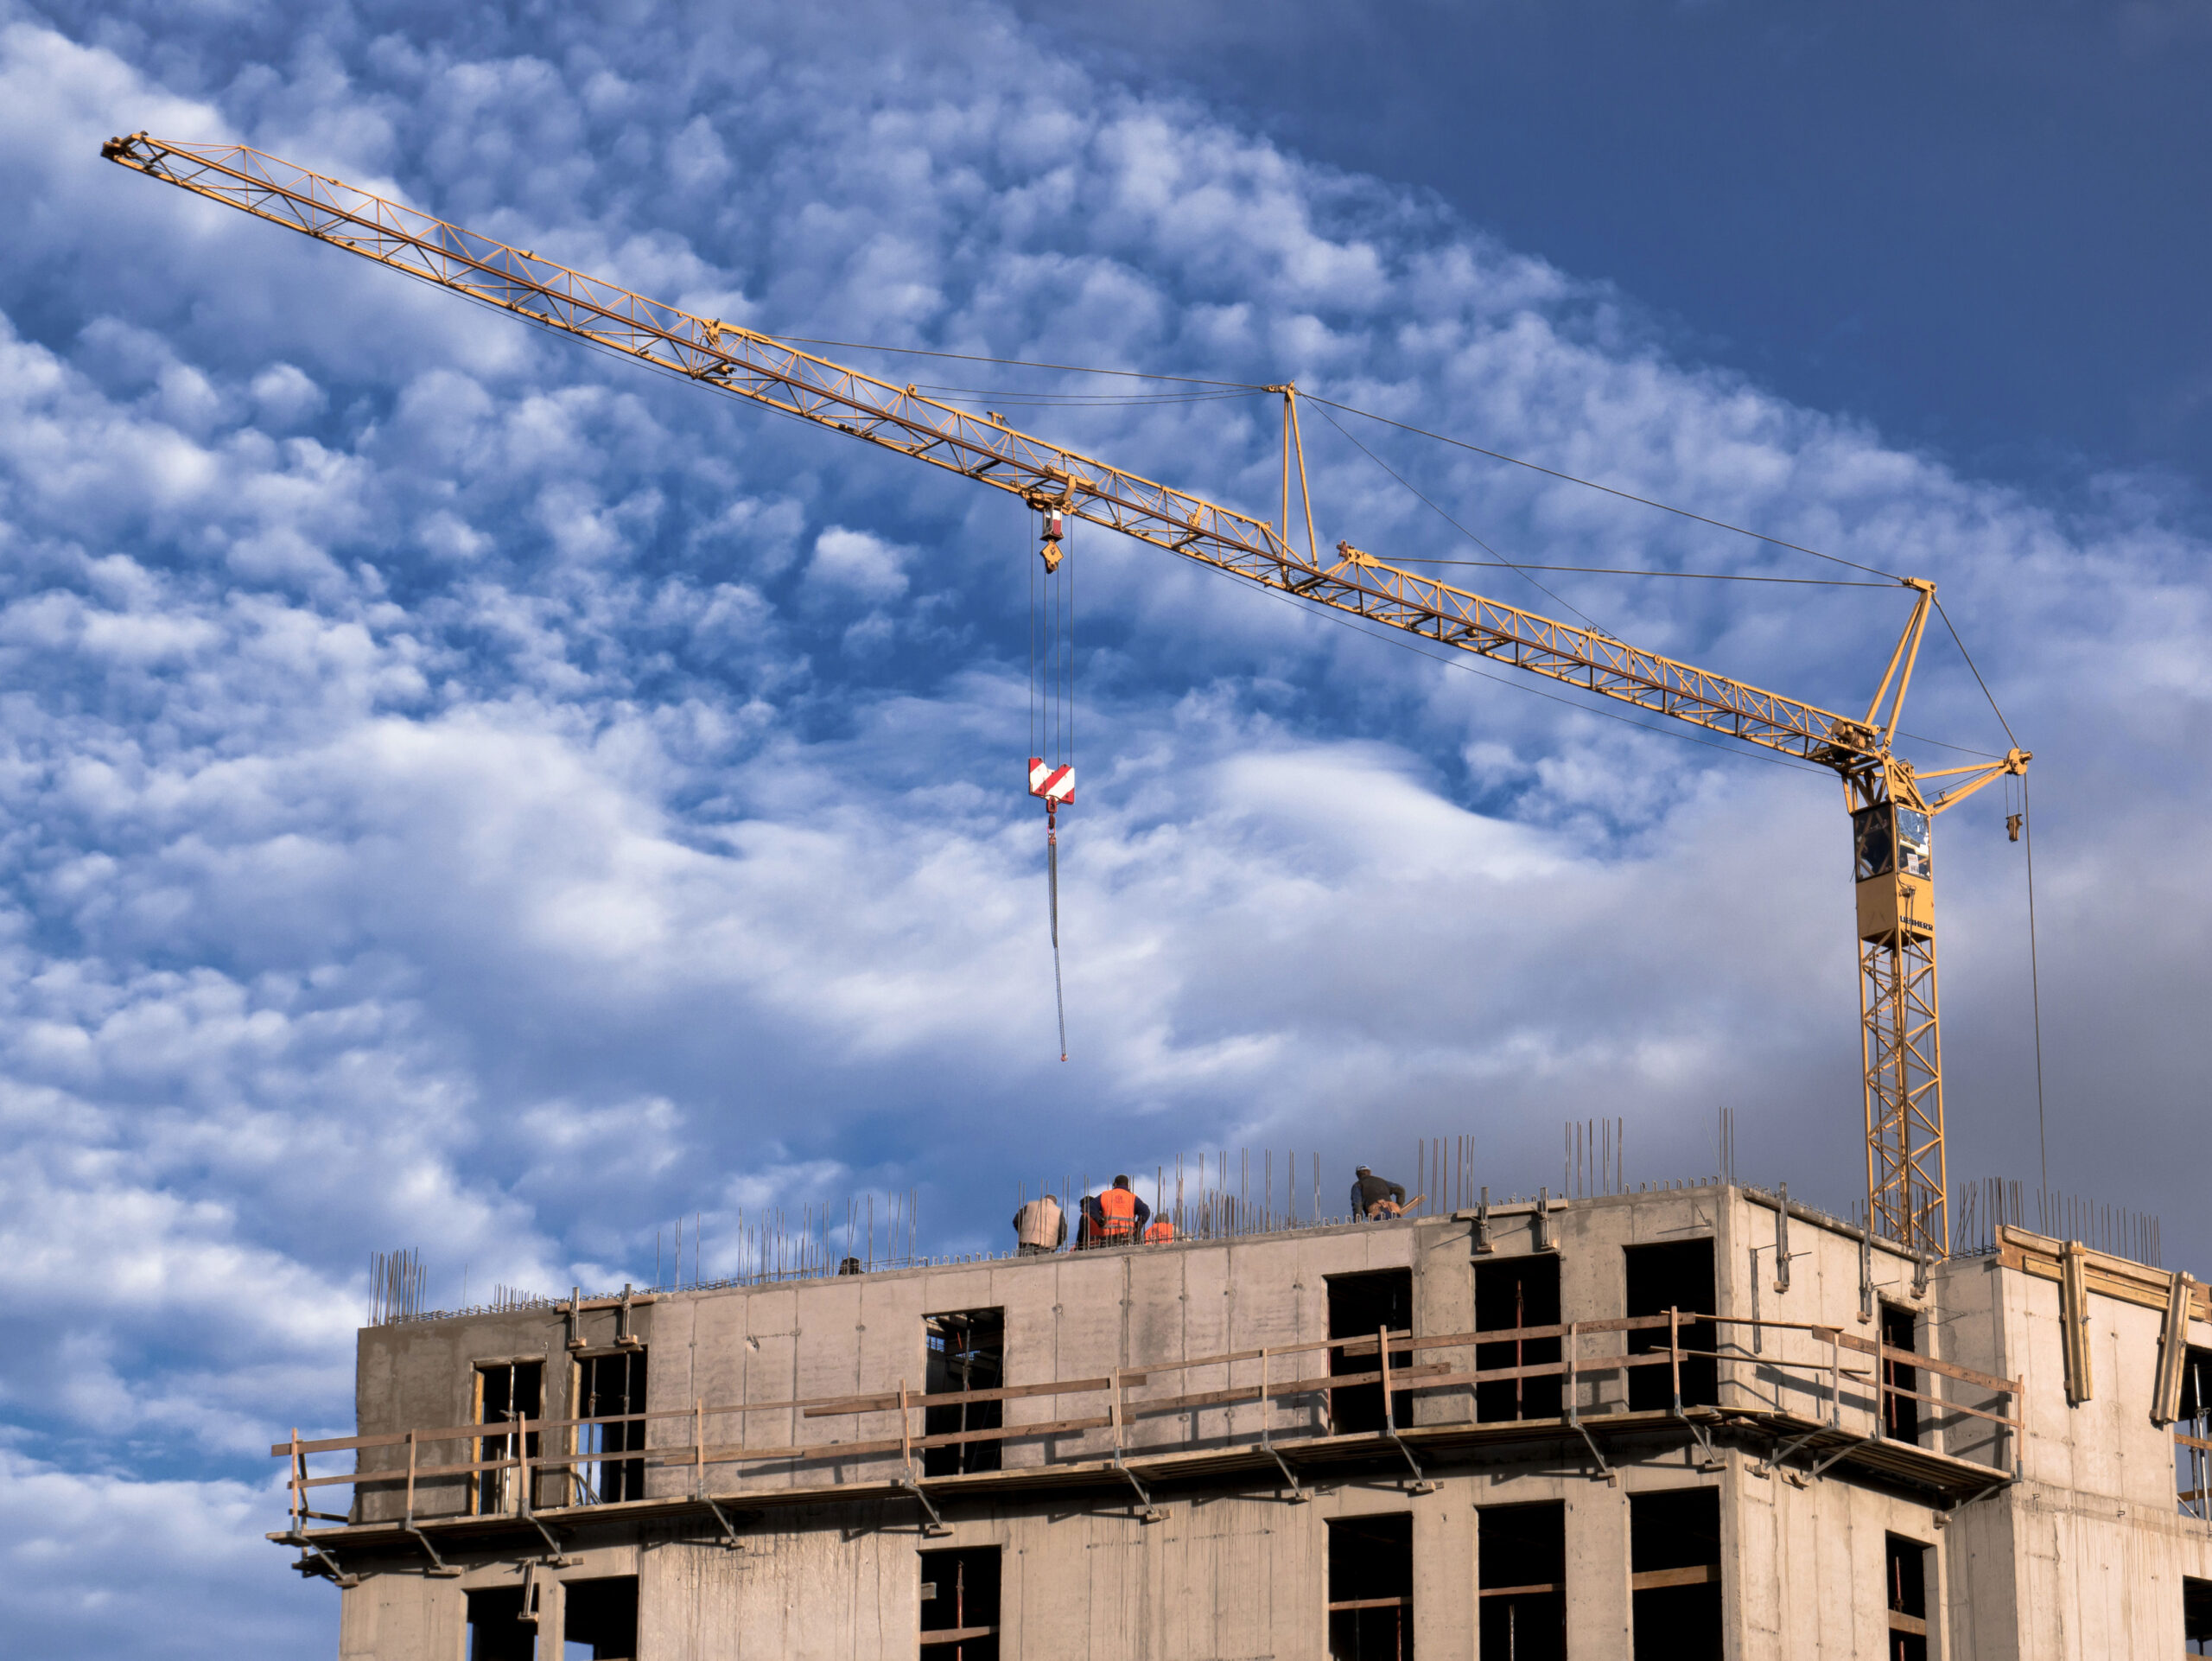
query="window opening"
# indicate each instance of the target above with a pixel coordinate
(1674, 1549)
(1521, 1569)
(966, 1351)
(1677, 1274)
(960, 1605)
(1517, 1292)
(599, 1618)
(497, 1630)
(506, 1393)
(1372, 1588)
(1907, 1588)
(2193, 1466)
(1360, 1306)
(609, 1386)
(2196, 1617)
(1900, 1413)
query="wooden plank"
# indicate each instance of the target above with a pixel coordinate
(731, 1454)
(1278, 1388)
(1948, 1369)
(1521, 1591)
(934, 1635)
(1370, 1603)
(1953, 1407)
(887, 1401)
(1703, 1574)
(1901, 1622)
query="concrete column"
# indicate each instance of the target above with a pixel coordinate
(1597, 1572)
(1444, 1628)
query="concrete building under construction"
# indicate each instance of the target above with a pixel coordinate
(1693, 1422)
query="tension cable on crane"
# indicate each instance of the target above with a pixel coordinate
(1051, 710)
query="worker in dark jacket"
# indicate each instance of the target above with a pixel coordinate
(1374, 1196)
(1113, 1217)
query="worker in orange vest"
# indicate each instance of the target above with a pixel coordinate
(1115, 1216)
(1160, 1232)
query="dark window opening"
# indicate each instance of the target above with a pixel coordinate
(2193, 1466)
(1360, 1306)
(1907, 1589)
(966, 1352)
(1675, 1275)
(609, 1386)
(2196, 1617)
(1372, 1588)
(1673, 1550)
(497, 1630)
(1900, 1413)
(960, 1605)
(506, 1393)
(1520, 1571)
(1517, 1292)
(599, 1619)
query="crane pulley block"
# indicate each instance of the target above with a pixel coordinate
(1052, 786)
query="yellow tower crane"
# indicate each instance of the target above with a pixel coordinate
(1890, 804)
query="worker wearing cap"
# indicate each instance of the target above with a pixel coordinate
(1374, 1196)
(1161, 1231)
(1115, 1216)
(1040, 1228)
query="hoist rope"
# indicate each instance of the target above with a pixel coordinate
(1052, 883)
(2034, 981)
(1051, 702)
(2028, 837)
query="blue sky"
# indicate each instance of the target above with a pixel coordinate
(463, 792)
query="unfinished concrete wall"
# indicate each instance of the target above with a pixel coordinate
(2084, 1558)
(421, 1376)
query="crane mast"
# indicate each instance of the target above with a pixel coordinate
(1891, 808)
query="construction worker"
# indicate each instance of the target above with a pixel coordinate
(1115, 1216)
(1040, 1228)
(1375, 1197)
(1160, 1232)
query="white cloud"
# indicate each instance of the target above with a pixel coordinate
(460, 793)
(858, 563)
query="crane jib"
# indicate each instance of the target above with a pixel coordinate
(757, 366)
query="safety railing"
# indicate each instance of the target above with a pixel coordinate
(2193, 1473)
(1874, 1391)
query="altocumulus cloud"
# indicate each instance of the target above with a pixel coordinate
(464, 793)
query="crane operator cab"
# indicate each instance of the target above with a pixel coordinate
(1897, 888)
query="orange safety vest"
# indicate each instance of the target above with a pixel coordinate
(1160, 1232)
(1117, 1208)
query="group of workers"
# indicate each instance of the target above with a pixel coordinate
(1117, 1217)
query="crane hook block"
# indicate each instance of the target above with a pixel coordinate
(1054, 785)
(1055, 529)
